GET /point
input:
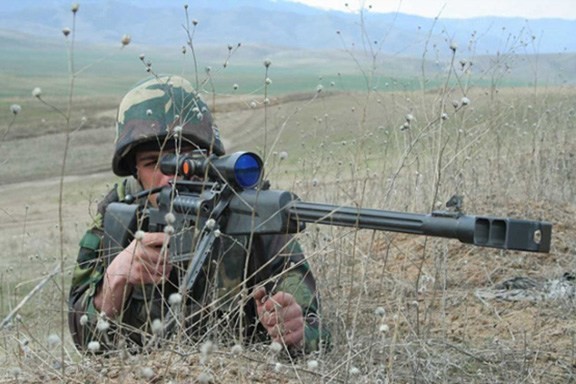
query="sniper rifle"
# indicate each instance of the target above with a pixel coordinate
(225, 195)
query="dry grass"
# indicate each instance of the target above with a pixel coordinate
(510, 155)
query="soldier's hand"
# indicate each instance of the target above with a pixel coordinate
(282, 317)
(144, 261)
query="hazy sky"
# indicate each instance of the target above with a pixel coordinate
(565, 9)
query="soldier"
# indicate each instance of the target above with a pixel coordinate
(118, 302)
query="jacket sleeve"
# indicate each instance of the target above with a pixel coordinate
(85, 323)
(87, 276)
(295, 277)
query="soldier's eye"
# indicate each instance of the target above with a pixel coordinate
(149, 163)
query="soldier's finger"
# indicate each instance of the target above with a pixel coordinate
(277, 331)
(279, 300)
(290, 333)
(294, 325)
(155, 275)
(292, 338)
(260, 297)
(259, 294)
(148, 256)
(154, 239)
(269, 319)
(292, 312)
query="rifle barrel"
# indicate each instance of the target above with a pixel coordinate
(485, 231)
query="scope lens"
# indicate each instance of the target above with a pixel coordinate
(247, 170)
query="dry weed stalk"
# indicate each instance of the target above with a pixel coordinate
(403, 309)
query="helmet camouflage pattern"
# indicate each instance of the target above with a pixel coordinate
(151, 110)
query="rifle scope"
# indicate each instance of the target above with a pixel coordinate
(243, 170)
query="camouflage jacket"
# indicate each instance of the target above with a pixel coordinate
(220, 310)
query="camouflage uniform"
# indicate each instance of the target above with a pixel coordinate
(216, 301)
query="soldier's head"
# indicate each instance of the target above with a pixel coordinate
(161, 114)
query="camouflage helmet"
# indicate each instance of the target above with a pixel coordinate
(148, 115)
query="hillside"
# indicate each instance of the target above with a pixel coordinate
(286, 25)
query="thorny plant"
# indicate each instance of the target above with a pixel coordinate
(390, 308)
(68, 129)
(15, 110)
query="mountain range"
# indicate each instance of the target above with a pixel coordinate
(283, 24)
